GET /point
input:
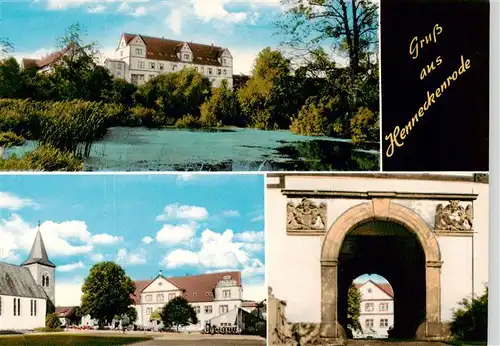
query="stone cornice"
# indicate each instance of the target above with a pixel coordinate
(379, 194)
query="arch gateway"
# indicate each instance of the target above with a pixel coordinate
(426, 234)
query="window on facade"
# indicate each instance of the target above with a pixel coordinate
(202, 70)
(219, 71)
(149, 311)
(119, 66)
(17, 306)
(369, 307)
(384, 322)
(171, 296)
(209, 71)
(159, 297)
(197, 309)
(141, 77)
(223, 309)
(119, 74)
(152, 65)
(140, 64)
(174, 67)
(369, 323)
(226, 293)
(383, 307)
(138, 51)
(208, 309)
(149, 297)
(224, 72)
(33, 307)
(224, 61)
(161, 67)
(186, 57)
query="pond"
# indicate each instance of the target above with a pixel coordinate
(233, 149)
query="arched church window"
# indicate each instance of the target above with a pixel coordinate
(47, 281)
(43, 280)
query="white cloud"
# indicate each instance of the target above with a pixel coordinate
(98, 257)
(217, 252)
(258, 218)
(99, 8)
(69, 293)
(147, 240)
(13, 202)
(183, 212)
(174, 22)
(250, 236)
(231, 213)
(61, 239)
(105, 239)
(176, 234)
(243, 60)
(254, 247)
(70, 267)
(138, 256)
(214, 10)
(139, 11)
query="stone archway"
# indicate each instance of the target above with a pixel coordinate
(380, 210)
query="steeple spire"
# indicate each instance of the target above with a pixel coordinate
(38, 254)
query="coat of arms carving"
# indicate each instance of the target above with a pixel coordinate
(306, 216)
(454, 217)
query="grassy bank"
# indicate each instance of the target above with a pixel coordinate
(69, 339)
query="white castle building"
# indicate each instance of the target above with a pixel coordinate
(211, 295)
(139, 58)
(25, 290)
(376, 311)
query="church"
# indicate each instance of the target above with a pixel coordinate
(27, 289)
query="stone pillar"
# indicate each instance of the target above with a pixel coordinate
(331, 331)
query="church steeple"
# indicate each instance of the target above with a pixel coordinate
(38, 254)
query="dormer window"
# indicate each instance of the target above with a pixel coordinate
(138, 51)
(219, 72)
(161, 67)
(209, 71)
(152, 65)
(187, 57)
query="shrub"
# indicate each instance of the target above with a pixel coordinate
(470, 322)
(8, 139)
(364, 126)
(187, 121)
(313, 118)
(43, 158)
(52, 321)
(148, 117)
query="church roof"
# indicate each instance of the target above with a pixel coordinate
(18, 282)
(197, 288)
(38, 254)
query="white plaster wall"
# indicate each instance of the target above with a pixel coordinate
(293, 264)
(24, 321)
(235, 292)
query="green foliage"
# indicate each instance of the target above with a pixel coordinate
(148, 117)
(121, 92)
(106, 292)
(178, 313)
(313, 118)
(470, 322)
(221, 108)
(8, 139)
(155, 316)
(174, 94)
(131, 314)
(187, 121)
(364, 126)
(11, 78)
(264, 100)
(353, 308)
(43, 158)
(52, 321)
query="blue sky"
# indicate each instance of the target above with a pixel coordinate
(245, 27)
(374, 277)
(182, 224)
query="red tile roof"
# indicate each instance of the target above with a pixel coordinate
(197, 288)
(64, 311)
(165, 49)
(385, 287)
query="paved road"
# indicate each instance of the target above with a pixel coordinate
(202, 340)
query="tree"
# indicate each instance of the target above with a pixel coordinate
(353, 308)
(76, 315)
(349, 25)
(131, 314)
(364, 126)
(52, 321)
(221, 108)
(470, 322)
(11, 80)
(178, 313)
(5, 46)
(265, 99)
(106, 292)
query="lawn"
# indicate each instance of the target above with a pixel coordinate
(68, 339)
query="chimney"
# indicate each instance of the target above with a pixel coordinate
(160, 272)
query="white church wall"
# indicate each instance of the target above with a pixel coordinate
(24, 321)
